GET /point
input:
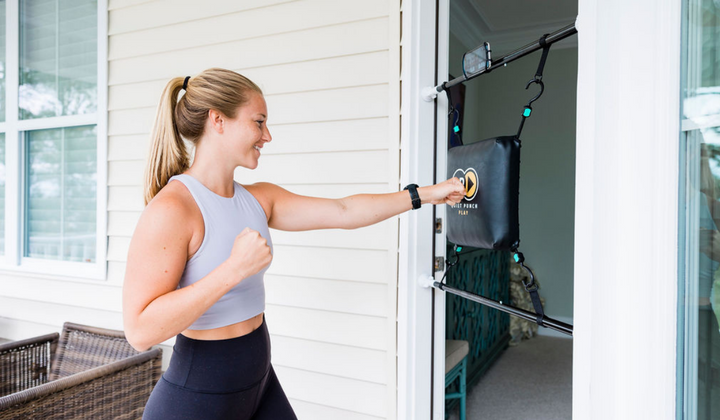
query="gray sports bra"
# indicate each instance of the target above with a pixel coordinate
(224, 219)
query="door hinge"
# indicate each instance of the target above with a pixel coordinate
(439, 264)
(438, 225)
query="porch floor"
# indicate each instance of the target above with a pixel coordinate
(530, 381)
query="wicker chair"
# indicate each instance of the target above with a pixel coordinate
(83, 373)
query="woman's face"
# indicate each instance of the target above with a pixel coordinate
(248, 131)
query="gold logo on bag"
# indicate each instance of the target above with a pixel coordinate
(469, 178)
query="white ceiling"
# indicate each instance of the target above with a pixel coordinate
(510, 24)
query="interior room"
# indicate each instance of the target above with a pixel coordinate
(516, 369)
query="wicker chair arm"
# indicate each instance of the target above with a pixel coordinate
(83, 347)
(26, 363)
(29, 342)
(116, 390)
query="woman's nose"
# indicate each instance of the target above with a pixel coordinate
(266, 135)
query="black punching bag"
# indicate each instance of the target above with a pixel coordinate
(487, 217)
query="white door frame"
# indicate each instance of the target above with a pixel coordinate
(626, 211)
(416, 227)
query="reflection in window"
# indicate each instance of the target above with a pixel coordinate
(60, 188)
(2, 193)
(3, 62)
(699, 292)
(58, 58)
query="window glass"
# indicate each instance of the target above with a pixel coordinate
(699, 287)
(3, 60)
(58, 58)
(60, 189)
(2, 193)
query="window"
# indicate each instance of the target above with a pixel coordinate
(699, 286)
(53, 136)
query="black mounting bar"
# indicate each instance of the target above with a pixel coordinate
(530, 316)
(556, 36)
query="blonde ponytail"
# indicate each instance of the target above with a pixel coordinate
(168, 155)
(218, 89)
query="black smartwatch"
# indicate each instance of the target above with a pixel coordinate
(414, 195)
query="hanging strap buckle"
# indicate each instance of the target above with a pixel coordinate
(531, 287)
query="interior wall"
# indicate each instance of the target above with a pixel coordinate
(493, 106)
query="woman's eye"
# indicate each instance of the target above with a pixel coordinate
(260, 123)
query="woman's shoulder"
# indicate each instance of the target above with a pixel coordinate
(173, 203)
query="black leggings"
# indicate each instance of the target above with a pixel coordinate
(220, 379)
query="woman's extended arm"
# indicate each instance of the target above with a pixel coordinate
(153, 308)
(292, 212)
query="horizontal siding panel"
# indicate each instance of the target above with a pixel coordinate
(55, 314)
(331, 136)
(329, 295)
(339, 190)
(119, 4)
(370, 237)
(332, 359)
(131, 121)
(327, 105)
(328, 327)
(151, 14)
(320, 168)
(126, 172)
(254, 23)
(332, 73)
(17, 329)
(305, 410)
(356, 396)
(122, 223)
(345, 167)
(118, 247)
(133, 147)
(101, 296)
(116, 272)
(126, 198)
(356, 265)
(312, 44)
(130, 198)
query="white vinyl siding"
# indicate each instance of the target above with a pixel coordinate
(326, 69)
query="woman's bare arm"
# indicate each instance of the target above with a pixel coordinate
(292, 212)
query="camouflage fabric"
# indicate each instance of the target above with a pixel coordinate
(521, 329)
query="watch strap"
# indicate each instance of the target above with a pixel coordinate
(412, 188)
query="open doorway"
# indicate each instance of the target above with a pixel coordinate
(515, 369)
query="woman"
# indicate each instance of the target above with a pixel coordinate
(198, 254)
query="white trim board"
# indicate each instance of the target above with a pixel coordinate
(415, 245)
(624, 343)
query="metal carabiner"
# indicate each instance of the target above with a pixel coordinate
(542, 89)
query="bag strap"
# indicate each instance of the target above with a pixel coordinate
(532, 288)
(537, 79)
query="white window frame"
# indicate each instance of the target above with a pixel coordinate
(13, 261)
(689, 279)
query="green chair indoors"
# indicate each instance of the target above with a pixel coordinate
(456, 352)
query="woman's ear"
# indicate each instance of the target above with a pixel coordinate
(217, 121)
